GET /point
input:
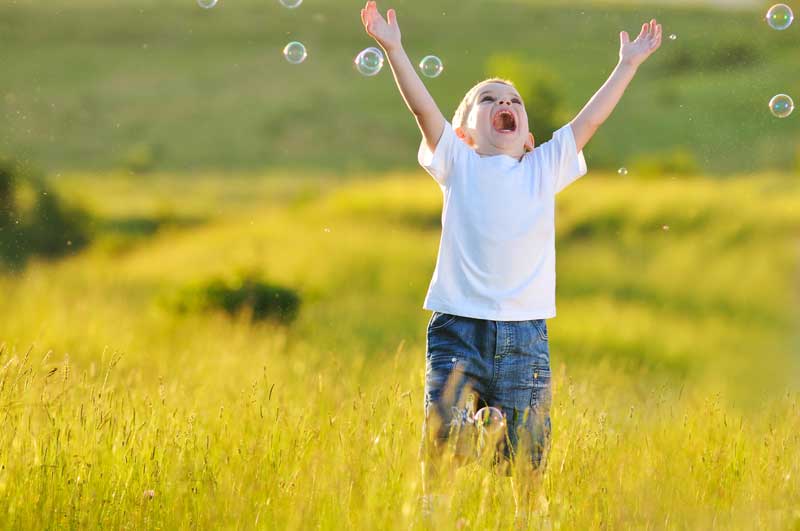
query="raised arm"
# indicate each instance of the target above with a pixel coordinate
(387, 34)
(631, 55)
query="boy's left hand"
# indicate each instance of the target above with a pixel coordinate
(636, 52)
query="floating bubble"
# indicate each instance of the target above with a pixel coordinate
(295, 52)
(673, 37)
(490, 419)
(291, 4)
(369, 62)
(780, 16)
(431, 66)
(206, 4)
(623, 171)
(781, 105)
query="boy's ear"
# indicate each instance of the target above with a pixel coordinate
(463, 135)
(530, 143)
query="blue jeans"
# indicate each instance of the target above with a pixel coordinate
(472, 363)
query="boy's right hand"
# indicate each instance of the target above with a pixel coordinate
(429, 118)
(387, 34)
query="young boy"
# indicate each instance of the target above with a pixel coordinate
(494, 282)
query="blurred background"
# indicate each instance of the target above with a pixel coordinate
(148, 85)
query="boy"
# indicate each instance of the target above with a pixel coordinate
(494, 282)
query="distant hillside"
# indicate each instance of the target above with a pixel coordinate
(145, 85)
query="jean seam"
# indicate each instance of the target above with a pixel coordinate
(498, 355)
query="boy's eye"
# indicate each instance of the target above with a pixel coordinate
(515, 100)
(487, 98)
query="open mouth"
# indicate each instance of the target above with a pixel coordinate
(504, 122)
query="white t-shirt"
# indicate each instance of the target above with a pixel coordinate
(497, 254)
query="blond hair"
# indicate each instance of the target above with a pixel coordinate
(466, 104)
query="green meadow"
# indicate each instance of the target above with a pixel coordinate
(147, 382)
(148, 85)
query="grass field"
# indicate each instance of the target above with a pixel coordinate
(674, 355)
(164, 85)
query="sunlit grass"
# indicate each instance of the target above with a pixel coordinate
(674, 357)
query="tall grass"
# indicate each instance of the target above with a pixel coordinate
(674, 356)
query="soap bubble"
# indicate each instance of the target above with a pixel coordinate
(369, 62)
(206, 4)
(673, 37)
(780, 16)
(623, 171)
(490, 419)
(291, 4)
(781, 105)
(431, 66)
(295, 52)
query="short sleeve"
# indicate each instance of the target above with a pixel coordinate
(439, 163)
(561, 158)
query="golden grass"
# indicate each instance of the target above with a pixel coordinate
(674, 357)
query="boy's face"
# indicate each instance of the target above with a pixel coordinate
(497, 122)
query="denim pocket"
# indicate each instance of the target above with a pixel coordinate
(440, 320)
(541, 327)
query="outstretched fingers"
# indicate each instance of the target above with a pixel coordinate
(375, 15)
(370, 16)
(655, 35)
(657, 38)
(643, 33)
